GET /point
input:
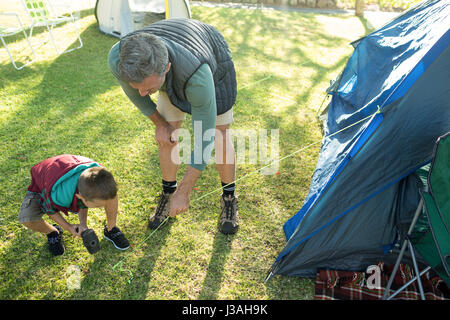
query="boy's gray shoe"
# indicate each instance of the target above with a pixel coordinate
(229, 217)
(161, 212)
(55, 244)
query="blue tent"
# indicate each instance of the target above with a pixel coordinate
(389, 105)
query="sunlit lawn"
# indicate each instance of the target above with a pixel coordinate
(71, 104)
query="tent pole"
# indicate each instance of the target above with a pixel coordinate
(166, 3)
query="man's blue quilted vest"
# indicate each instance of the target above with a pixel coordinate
(190, 44)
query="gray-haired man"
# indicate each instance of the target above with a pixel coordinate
(189, 63)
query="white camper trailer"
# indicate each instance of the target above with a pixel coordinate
(119, 17)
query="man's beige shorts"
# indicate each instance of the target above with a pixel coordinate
(171, 113)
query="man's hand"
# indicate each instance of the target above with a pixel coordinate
(179, 203)
(163, 130)
(181, 198)
(163, 135)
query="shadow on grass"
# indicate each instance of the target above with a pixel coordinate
(56, 114)
(213, 279)
(117, 271)
(295, 133)
(22, 257)
(42, 127)
(66, 90)
(138, 288)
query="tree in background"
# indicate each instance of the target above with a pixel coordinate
(359, 8)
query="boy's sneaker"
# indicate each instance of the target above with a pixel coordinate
(117, 238)
(162, 211)
(55, 244)
(229, 218)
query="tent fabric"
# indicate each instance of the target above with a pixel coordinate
(120, 17)
(397, 80)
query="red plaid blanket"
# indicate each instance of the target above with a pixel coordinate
(370, 285)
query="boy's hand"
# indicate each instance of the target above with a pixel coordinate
(81, 228)
(76, 229)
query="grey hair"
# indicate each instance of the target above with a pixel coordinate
(142, 55)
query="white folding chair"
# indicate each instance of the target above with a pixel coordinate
(42, 14)
(6, 31)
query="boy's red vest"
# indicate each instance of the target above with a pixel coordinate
(45, 174)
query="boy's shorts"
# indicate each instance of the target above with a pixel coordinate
(30, 210)
(171, 113)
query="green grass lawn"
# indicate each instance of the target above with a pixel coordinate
(72, 104)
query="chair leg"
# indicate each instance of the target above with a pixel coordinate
(50, 35)
(29, 43)
(394, 271)
(408, 283)
(78, 35)
(405, 244)
(76, 30)
(49, 28)
(10, 55)
(416, 270)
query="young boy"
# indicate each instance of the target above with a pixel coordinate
(70, 183)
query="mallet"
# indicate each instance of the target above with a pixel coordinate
(90, 241)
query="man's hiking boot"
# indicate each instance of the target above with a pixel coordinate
(116, 237)
(55, 244)
(229, 218)
(161, 212)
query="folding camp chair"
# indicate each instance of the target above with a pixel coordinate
(433, 244)
(42, 15)
(10, 31)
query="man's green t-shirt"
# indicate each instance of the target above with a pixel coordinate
(200, 92)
